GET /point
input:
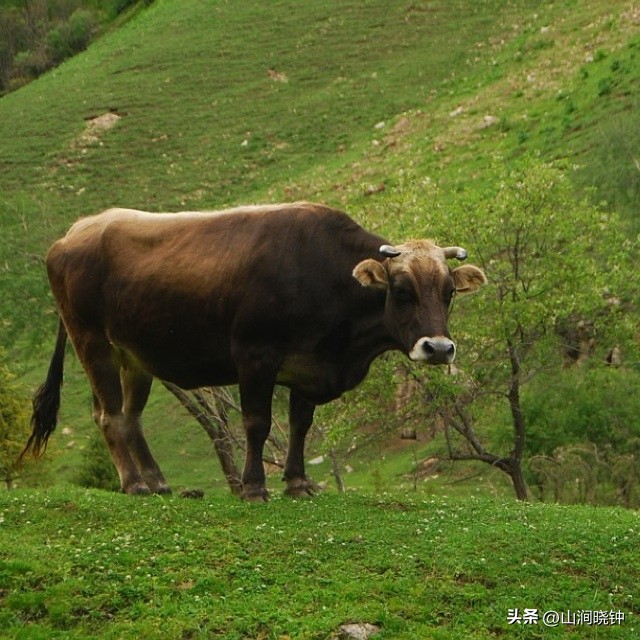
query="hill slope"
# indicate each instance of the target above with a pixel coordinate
(224, 104)
(198, 105)
(87, 565)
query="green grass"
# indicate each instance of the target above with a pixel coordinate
(191, 82)
(203, 125)
(192, 85)
(78, 564)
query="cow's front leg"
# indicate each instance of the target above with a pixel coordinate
(256, 393)
(300, 420)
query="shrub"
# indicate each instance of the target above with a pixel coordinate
(605, 86)
(30, 64)
(600, 406)
(116, 7)
(14, 424)
(71, 37)
(97, 469)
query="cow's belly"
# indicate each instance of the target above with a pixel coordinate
(315, 379)
(201, 357)
(194, 377)
(188, 369)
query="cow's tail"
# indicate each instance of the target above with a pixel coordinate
(46, 401)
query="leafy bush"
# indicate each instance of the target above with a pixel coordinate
(14, 424)
(584, 435)
(30, 64)
(116, 7)
(599, 405)
(97, 470)
(73, 36)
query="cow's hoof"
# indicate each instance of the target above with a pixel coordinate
(162, 490)
(299, 488)
(255, 494)
(194, 494)
(137, 489)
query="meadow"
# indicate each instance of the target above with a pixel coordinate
(393, 111)
(347, 103)
(90, 564)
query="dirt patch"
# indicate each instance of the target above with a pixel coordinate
(96, 126)
(90, 136)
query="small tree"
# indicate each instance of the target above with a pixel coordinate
(212, 408)
(97, 470)
(14, 425)
(375, 412)
(547, 257)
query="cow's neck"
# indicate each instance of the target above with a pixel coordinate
(369, 339)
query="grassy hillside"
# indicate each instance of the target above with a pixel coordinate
(222, 103)
(203, 122)
(89, 564)
(196, 105)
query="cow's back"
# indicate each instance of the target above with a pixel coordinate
(189, 285)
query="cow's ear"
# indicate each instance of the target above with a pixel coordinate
(371, 273)
(468, 278)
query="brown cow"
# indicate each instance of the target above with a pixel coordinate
(297, 295)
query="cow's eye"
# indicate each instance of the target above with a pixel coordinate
(402, 294)
(449, 296)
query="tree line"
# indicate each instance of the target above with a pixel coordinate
(37, 35)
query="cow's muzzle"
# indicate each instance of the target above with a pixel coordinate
(438, 350)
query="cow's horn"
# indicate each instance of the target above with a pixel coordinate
(455, 252)
(388, 251)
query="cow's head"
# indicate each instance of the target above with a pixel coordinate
(420, 287)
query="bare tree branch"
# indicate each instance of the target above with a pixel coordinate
(209, 408)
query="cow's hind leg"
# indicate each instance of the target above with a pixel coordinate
(100, 361)
(256, 391)
(136, 386)
(300, 420)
